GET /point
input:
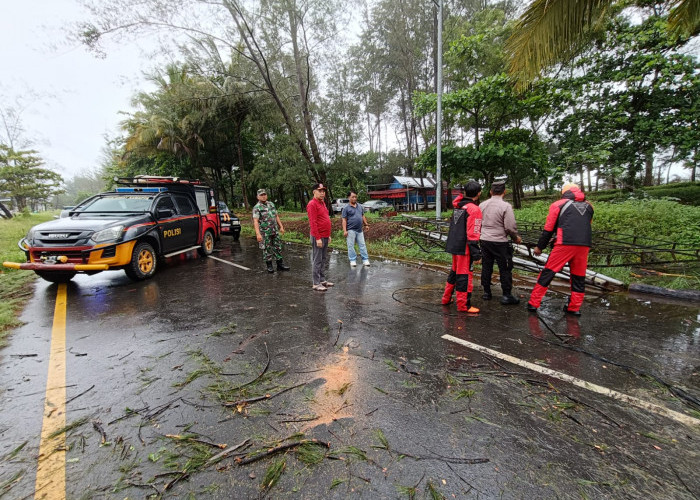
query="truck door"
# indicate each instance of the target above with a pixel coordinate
(169, 224)
(189, 220)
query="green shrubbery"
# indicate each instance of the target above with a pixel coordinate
(656, 219)
(686, 193)
(13, 283)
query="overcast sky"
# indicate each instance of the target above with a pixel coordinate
(72, 99)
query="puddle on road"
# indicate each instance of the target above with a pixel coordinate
(331, 401)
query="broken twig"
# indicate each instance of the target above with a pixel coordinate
(267, 365)
(84, 392)
(230, 404)
(277, 449)
(224, 454)
(97, 425)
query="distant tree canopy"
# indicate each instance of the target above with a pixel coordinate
(272, 95)
(24, 179)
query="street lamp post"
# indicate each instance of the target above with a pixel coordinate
(438, 132)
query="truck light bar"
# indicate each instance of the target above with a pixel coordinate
(140, 190)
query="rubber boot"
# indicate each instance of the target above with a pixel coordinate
(509, 299)
(447, 296)
(269, 267)
(281, 266)
(464, 303)
(569, 311)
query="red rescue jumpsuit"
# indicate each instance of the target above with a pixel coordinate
(571, 218)
(463, 244)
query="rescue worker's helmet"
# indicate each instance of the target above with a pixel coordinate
(569, 186)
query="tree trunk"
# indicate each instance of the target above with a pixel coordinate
(239, 151)
(588, 171)
(303, 89)
(258, 58)
(649, 169)
(5, 212)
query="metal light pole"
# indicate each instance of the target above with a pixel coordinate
(438, 176)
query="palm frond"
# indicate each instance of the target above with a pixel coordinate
(547, 31)
(684, 18)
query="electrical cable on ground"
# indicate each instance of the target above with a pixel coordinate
(684, 396)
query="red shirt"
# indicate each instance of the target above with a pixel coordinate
(319, 220)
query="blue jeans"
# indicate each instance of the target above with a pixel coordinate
(359, 237)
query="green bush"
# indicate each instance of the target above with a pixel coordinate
(651, 218)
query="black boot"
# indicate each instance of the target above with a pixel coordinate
(487, 295)
(281, 266)
(269, 267)
(509, 299)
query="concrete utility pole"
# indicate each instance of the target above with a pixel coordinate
(438, 176)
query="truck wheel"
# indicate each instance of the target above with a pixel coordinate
(56, 276)
(207, 243)
(143, 262)
(237, 235)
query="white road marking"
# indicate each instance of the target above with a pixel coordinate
(230, 263)
(639, 403)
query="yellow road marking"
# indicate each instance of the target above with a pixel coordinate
(51, 471)
(639, 403)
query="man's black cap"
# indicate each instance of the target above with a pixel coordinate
(319, 186)
(472, 189)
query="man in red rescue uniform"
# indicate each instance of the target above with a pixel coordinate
(463, 244)
(569, 219)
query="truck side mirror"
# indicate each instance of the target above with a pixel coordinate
(164, 213)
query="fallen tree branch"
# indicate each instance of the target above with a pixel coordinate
(277, 449)
(84, 392)
(224, 454)
(177, 437)
(244, 402)
(98, 427)
(337, 337)
(267, 365)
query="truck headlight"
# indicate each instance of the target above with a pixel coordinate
(109, 234)
(29, 239)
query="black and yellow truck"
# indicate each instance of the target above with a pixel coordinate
(135, 227)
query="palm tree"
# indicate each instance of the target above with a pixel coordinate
(549, 31)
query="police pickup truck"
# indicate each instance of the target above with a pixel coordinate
(135, 227)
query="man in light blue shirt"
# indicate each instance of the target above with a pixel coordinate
(354, 221)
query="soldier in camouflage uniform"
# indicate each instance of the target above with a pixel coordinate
(268, 229)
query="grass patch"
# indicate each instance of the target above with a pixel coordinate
(15, 286)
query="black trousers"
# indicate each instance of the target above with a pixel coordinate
(500, 253)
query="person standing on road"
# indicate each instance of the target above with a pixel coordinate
(268, 231)
(498, 223)
(569, 219)
(463, 244)
(320, 233)
(354, 220)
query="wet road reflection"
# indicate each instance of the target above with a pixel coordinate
(368, 356)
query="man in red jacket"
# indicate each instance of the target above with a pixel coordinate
(463, 244)
(570, 220)
(320, 231)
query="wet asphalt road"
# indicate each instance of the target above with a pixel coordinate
(210, 353)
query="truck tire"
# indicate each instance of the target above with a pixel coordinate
(143, 262)
(207, 243)
(56, 276)
(237, 235)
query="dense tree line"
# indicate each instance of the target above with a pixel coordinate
(282, 94)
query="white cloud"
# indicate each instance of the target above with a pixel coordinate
(71, 99)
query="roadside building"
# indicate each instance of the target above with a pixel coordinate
(408, 193)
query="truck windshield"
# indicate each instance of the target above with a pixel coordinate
(106, 204)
